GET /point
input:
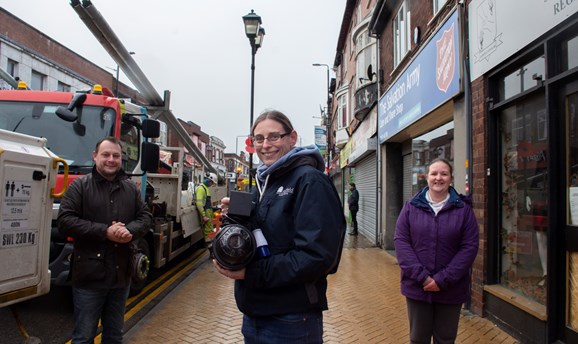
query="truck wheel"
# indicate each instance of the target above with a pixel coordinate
(143, 264)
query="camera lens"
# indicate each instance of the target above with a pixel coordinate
(233, 247)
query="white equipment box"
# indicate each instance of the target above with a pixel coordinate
(27, 174)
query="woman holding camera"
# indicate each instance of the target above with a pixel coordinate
(299, 212)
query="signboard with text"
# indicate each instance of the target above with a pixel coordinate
(499, 29)
(430, 80)
(321, 139)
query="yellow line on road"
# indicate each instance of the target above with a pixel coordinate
(161, 288)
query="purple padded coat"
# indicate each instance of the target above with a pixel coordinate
(442, 246)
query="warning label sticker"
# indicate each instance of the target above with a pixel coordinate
(15, 230)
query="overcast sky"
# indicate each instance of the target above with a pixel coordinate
(198, 50)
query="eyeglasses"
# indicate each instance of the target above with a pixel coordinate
(273, 137)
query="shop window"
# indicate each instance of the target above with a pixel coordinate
(522, 79)
(438, 143)
(572, 203)
(524, 203)
(569, 56)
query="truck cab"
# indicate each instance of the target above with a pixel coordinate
(72, 124)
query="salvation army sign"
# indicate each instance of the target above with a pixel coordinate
(445, 62)
(431, 79)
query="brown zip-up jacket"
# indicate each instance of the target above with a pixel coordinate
(88, 207)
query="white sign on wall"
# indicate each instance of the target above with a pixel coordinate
(498, 29)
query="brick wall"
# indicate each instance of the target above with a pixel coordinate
(19, 32)
(480, 193)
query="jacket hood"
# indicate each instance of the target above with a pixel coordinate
(298, 155)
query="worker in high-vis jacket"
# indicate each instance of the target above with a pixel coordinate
(203, 203)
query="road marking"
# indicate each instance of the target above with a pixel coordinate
(182, 268)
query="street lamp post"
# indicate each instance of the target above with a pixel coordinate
(117, 71)
(237, 143)
(255, 32)
(327, 111)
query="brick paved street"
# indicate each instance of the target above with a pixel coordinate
(365, 306)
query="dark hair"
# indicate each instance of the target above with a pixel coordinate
(352, 184)
(441, 160)
(109, 139)
(275, 115)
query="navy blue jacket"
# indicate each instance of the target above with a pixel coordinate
(301, 217)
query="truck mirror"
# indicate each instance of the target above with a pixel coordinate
(150, 157)
(65, 113)
(151, 128)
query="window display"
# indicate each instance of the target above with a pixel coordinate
(438, 143)
(524, 203)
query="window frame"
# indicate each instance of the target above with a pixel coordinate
(37, 77)
(62, 87)
(438, 5)
(365, 46)
(342, 111)
(401, 33)
(12, 68)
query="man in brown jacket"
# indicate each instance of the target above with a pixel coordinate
(103, 212)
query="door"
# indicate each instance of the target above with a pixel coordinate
(571, 228)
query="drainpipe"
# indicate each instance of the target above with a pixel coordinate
(378, 189)
(468, 113)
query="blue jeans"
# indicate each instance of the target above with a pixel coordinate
(299, 328)
(90, 305)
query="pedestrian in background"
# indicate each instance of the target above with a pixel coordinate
(353, 203)
(204, 205)
(103, 212)
(436, 242)
(299, 212)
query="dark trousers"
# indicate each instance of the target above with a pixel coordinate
(354, 220)
(437, 320)
(92, 305)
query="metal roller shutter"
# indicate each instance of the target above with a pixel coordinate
(407, 177)
(365, 180)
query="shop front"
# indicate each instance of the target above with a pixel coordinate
(418, 116)
(359, 158)
(532, 166)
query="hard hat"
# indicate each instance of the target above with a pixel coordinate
(213, 177)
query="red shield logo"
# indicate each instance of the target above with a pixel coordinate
(445, 61)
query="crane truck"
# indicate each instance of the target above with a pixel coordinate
(72, 123)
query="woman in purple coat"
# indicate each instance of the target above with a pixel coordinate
(436, 241)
